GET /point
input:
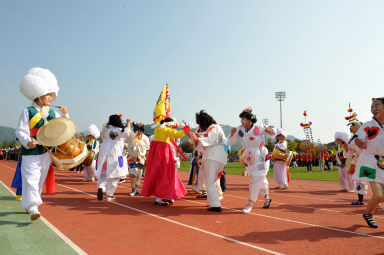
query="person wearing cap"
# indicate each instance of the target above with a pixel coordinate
(92, 133)
(280, 169)
(138, 146)
(345, 179)
(112, 164)
(40, 86)
(370, 165)
(255, 155)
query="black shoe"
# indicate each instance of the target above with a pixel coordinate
(214, 209)
(267, 203)
(99, 194)
(357, 203)
(202, 195)
(169, 201)
(369, 219)
(161, 203)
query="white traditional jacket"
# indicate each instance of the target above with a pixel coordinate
(213, 141)
(367, 168)
(255, 154)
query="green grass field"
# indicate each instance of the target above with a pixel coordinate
(295, 173)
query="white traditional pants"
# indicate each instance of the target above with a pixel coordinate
(280, 174)
(345, 180)
(34, 170)
(258, 186)
(108, 184)
(211, 170)
(361, 188)
(89, 172)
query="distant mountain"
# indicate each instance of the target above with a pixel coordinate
(7, 134)
(291, 138)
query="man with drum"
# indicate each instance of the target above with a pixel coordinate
(40, 86)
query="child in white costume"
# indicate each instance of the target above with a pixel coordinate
(370, 165)
(138, 147)
(255, 155)
(345, 179)
(279, 167)
(40, 86)
(214, 157)
(111, 157)
(92, 133)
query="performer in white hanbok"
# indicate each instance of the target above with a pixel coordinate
(40, 86)
(111, 157)
(214, 157)
(345, 179)
(255, 155)
(370, 166)
(200, 186)
(280, 169)
(92, 133)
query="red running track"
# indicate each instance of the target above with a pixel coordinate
(311, 217)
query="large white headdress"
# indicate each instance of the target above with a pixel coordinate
(93, 131)
(281, 131)
(39, 82)
(342, 135)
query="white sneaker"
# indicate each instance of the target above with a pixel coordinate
(134, 192)
(111, 198)
(248, 207)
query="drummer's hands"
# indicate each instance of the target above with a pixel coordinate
(63, 109)
(233, 131)
(32, 144)
(128, 122)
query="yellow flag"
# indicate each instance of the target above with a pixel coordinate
(163, 106)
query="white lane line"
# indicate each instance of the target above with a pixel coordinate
(54, 229)
(297, 222)
(262, 215)
(181, 224)
(289, 204)
(309, 207)
(276, 218)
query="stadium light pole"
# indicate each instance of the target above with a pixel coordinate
(265, 123)
(280, 96)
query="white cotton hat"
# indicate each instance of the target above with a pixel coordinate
(39, 82)
(93, 131)
(281, 131)
(344, 136)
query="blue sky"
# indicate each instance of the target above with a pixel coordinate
(115, 57)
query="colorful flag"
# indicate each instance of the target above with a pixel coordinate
(163, 106)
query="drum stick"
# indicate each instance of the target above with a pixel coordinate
(56, 106)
